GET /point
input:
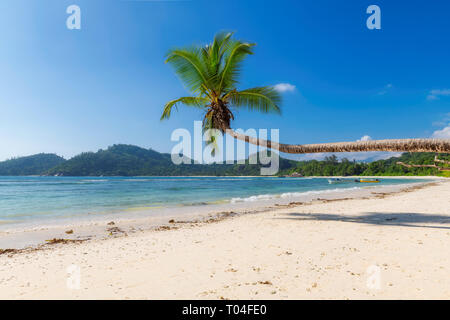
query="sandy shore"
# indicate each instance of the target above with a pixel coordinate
(389, 246)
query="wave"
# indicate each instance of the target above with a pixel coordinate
(287, 195)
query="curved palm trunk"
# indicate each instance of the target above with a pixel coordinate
(402, 145)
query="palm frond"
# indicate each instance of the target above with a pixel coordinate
(197, 102)
(235, 53)
(189, 66)
(218, 50)
(263, 99)
(212, 56)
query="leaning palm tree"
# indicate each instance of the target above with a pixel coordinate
(211, 74)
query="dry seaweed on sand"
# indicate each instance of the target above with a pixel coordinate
(5, 251)
(165, 228)
(115, 230)
(60, 240)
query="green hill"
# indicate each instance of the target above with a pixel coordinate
(128, 160)
(31, 165)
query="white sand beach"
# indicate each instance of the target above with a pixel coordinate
(389, 246)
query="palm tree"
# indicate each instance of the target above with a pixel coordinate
(211, 73)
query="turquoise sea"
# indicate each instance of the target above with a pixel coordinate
(35, 198)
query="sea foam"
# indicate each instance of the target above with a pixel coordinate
(288, 195)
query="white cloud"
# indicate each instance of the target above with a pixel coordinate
(386, 89)
(284, 87)
(436, 93)
(365, 138)
(443, 122)
(444, 92)
(442, 134)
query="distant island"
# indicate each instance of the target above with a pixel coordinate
(129, 160)
(37, 164)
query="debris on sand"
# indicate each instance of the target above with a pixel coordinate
(59, 240)
(165, 228)
(115, 230)
(4, 251)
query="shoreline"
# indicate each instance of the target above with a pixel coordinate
(325, 249)
(399, 177)
(32, 235)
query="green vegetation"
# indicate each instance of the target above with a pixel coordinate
(332, 167)
(128, 160)
(28, 166)
(118, 160)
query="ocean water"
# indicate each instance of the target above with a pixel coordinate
(34, 198)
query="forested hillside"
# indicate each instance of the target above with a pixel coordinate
(31, 165)
(129, 160)
(389, 167)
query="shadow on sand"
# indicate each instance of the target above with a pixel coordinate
(415, 220)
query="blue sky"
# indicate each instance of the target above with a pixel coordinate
(68, 91)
